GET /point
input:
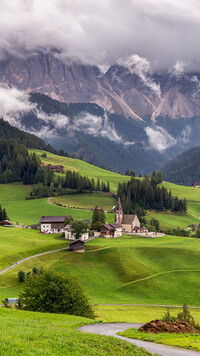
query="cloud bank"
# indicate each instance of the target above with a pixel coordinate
(159, 138)
(15, 103)
(102, 31)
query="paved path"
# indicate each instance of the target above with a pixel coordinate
(114, 328)
(152, 305)
(29, 258)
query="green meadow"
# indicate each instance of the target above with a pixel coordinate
(84, 168)
(187, 341)
(31, 333)
(12, 197)
(164, 270)
(18, 243)
(167, 219)
(86, 201)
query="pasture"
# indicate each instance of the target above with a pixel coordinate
(86, 201)
(19, 210)
(128, 270)
(26, 333)
(84, 168)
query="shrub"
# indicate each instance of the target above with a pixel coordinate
(35, 270)
(21, 276)
(55, 292)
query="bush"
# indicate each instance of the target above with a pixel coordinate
(55, 292)
(21, 276)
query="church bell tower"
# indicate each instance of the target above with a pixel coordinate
(119, 212)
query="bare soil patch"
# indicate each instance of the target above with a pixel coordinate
(176, 327)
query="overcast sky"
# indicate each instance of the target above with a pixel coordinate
(103, 31)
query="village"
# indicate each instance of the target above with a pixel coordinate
(124, 224)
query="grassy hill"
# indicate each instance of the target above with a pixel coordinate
(84, 168)
(192, 195)
(31, 333)
(127, 270)
(12, 197)
(86, 201)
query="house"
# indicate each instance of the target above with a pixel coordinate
(70, 236)
(128, 222)
(111, 230)
(144, 229)
(52, 224)
(77, 246)
(55, 168)
(5, 223)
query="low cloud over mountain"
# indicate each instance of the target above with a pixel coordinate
(100, 32)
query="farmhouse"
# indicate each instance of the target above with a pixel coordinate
(111, 230)
(128, 222)
(70, 236)
(52, 224)
(55, 168)
(77, 246)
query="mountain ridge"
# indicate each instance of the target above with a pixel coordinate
(121, 90)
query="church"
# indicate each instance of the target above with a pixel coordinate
(130, 223)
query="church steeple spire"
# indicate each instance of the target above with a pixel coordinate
(119, 212)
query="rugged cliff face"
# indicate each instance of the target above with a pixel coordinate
(119, 90)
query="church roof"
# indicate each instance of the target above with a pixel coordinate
(119, 205)
(128, 219)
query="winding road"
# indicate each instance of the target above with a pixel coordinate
(111, 329)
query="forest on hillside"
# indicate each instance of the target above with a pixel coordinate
(185, 168)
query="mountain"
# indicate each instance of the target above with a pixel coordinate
(185, 168)
(123, 89)
(124, 118)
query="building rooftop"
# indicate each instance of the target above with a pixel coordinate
(128, 219)
(52, 219)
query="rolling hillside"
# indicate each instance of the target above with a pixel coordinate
(26, 333)
(126, 270)
(192, 196)
(83, 168)
(12, 197)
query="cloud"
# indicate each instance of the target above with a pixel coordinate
(15, 103)
(159, 138)
(140, 66)
(102, 31)
(98, 126)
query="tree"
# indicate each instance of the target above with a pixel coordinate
(21, 276)
(78, 228)
(154, 222)
(98, 218)
(68, 220)
(197, 233)
(55, 292)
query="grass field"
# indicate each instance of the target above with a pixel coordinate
(138, 313)
(192, 195)
(181, 191)
(12, 197)
(30, 333)
(86, 201)
(17, 244)
(84, 168)
(128, 270)
(187, 341)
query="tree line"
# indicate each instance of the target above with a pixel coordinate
(139, 195)
(72, 183)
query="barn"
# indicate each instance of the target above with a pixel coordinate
(77, 246)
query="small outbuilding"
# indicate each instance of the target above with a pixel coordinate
(77, 246)
(6, 223)
(11, 300)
